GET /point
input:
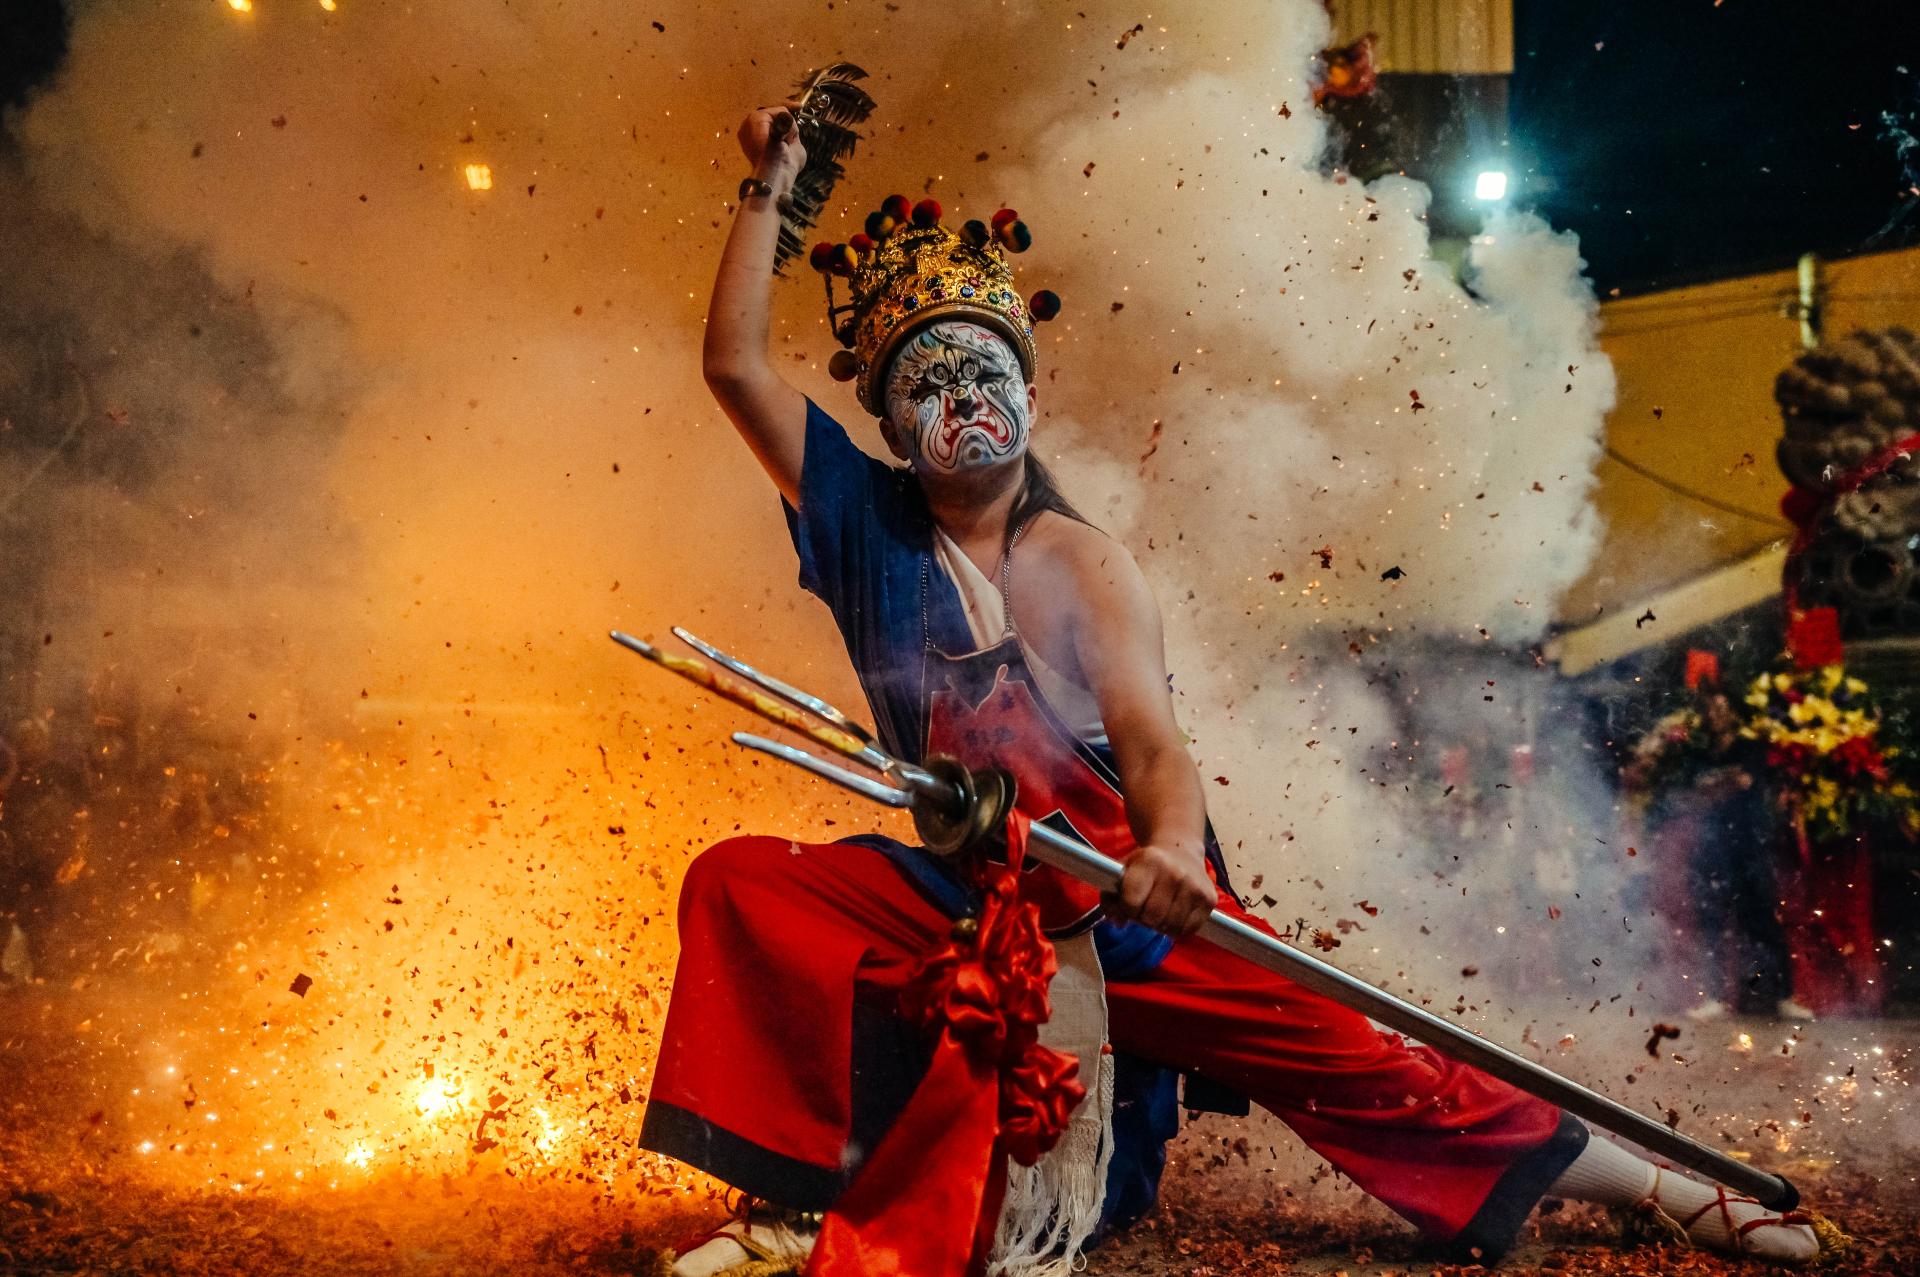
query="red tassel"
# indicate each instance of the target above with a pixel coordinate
(1004, 217)
(896, 207)
(844, 366)
(861, 244)
(1044, 304)
(926, 213)
(821, 258)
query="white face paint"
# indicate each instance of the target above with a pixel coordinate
(956, 396)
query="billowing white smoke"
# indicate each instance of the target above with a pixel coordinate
(1344, 448)
(1344, 469)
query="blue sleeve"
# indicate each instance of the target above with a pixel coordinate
(849, 506)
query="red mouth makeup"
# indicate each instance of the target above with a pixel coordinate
(996, 430)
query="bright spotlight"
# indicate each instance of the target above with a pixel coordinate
(1490, 185)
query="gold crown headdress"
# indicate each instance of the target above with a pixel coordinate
(906, 271)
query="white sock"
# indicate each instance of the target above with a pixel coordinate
(1606, 1175)
(1609, 1175)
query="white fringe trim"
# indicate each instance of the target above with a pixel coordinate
(1053, 1206)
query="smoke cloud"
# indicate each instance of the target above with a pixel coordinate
(401, 304)
(1352, 476)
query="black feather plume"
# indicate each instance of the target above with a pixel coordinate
(831, 104)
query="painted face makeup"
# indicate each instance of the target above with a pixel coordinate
(957, 398)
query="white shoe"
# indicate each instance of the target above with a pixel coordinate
(1711, 1009)
(758, 1245)
(1788, 1009)
(1696, 1214)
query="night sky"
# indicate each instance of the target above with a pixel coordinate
(1726, 130)
(33, 38)
(1683, 139)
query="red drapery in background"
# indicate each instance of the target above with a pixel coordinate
(1829, 920)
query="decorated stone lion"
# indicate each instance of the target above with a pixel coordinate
(1852, 452)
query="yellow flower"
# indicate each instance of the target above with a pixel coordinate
(1823, 799)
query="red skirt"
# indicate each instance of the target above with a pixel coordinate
(792, 955)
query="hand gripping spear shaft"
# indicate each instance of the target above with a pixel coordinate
(955, 809)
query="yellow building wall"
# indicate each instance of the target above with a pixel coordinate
(1695, 369)
(1434, 37)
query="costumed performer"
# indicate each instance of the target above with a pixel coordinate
(988, 621)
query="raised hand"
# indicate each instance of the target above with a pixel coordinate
(770, 139)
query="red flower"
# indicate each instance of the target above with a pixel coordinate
(1861, 757)
(1795, 760)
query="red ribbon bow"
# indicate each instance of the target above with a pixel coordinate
(927, 1202)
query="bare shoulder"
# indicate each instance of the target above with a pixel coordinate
(1094, 569)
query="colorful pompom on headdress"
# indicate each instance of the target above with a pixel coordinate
(906, 270)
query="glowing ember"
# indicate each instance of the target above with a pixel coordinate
(479, 177)
(437, 1099)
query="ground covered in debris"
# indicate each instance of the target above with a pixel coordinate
(62, 1214)
(1240, 1199)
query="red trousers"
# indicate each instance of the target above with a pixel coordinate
(782, 943)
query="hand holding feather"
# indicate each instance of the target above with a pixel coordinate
(773, 146)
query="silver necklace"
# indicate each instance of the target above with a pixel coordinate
(1006, 590)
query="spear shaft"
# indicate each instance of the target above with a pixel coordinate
(1076, 859)
(954, 808)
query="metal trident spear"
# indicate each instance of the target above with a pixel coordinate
(955, 809)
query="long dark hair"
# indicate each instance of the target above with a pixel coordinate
(1040, 491)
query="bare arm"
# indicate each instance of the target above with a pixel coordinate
(1118, 641)
(769, 413)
